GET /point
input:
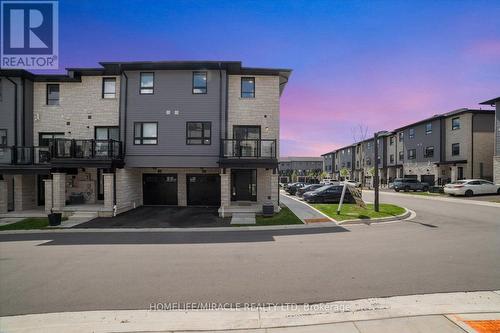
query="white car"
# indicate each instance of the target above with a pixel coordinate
(470, 187)
(353, 183)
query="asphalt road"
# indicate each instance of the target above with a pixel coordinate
(447, 247)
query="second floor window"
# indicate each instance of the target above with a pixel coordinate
(411, 133)
(391, 140)
(109, 87)
(401, 136)
(391, 158)
(247, 87)
(428, 128)
(401, 156)
(145, 133)
(412, 154)
(3, 138)
(198, 133)
(147, 83)
(199, 82)
(429, 151)
(455, 149)
(455, 123)
(52, 94)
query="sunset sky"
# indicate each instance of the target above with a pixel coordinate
(379, 64)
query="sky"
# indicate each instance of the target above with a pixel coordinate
(375, 65)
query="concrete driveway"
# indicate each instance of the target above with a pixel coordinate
(161, 217)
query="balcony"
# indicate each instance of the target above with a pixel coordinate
(248, 153)
(65, 153)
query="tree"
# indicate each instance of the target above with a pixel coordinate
(323, 175)
(293, 176)
(359, 133)
(345, 173)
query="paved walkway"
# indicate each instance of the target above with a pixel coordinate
(443, 313)
(304, 212)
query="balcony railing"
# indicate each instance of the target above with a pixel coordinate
(62, 149)
(234, 148)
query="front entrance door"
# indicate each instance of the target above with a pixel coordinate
(41, 189)
(100, 185)
(244, 185)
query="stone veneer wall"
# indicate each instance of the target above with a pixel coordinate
(77, 102)
(496, 169)
(24, 192)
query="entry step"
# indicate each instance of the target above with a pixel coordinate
(243, 218)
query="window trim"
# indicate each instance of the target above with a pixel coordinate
(453, 128)
(206, 83)
(6, 138)
(202, 138)
(425, 152)
(457, 144)
(414, 156)
(243, 78)
(141, 87)
(103, 84)
(141, 138)
(40, 134)
(108, 127)
(47, 93)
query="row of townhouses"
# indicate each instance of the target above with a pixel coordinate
(128, 134)
(437, 150)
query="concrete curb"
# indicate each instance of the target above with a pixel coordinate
(252, 318)
(439, 198)
(400, 217)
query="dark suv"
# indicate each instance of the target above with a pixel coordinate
(409, 184)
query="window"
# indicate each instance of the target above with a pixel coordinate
(412, 154)
(199, 82)
(428, 128)
(44, 139)
(369, 145)
(108, 87)
(378, 160)
(107, 133)
(147, 83)
(198, 133)
(401, 156)
(391, 140)
(52, 94)
(3, 138)
(391, 158)
(429, 151)
(455, 149)
(0, 89)
(357, 164)
(247, 87)
(401, 136)
(411, 133)
(145, 133)
(455, 123)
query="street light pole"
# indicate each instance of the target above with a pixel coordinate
(375, 175)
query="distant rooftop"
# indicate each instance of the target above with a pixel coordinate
(491, 101)
(300, 159)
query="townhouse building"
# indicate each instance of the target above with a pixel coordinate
(128, 134)
(437, 150)
(300, 166)
(328, 163)
(495, 102)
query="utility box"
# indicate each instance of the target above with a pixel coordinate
(268, 209)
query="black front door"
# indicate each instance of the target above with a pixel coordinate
(159, 189)
(244, 185)
(100, 185)
(41, 189)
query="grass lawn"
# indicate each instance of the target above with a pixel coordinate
(29, 223)
(354, 212)
(285, 216)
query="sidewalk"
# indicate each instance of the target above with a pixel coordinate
(447, 312)
(303, 211)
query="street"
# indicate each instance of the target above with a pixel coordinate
(448, 247)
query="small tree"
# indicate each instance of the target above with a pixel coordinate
(345, 173)
(293, 176)
(323, 175)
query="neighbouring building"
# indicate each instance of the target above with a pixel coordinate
(128, 134)
(310, 167)
(437, 150)
(328, 163)
(496, 156)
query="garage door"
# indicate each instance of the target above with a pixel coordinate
(203, 190)
(159, 189)
(429, 179)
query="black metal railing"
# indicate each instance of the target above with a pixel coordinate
(62, 148)
(234, 148)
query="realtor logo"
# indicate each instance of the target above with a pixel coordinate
(30, 35)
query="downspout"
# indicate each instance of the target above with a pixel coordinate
(472, 148)
(220, 106)
(125, 115)
(23, 115)
(15, 110)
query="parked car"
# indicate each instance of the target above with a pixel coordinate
(300, 192)
(292, 189)
(409, 184)
(470, 187)
(328, 194)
